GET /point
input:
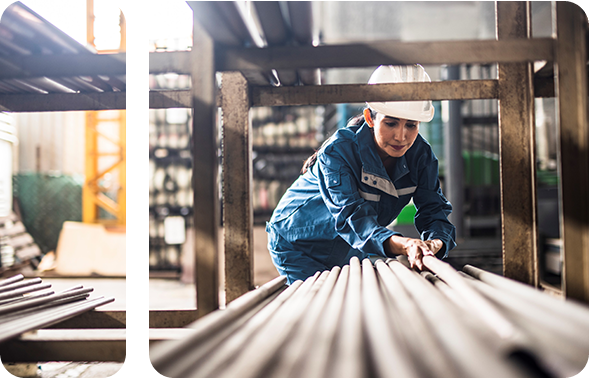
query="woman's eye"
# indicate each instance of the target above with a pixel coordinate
(411, 125)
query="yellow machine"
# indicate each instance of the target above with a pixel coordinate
(104, 187)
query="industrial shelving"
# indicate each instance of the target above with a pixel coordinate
(241, 66)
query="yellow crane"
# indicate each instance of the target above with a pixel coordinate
(105, 152)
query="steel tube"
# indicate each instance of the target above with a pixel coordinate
(18, 285)
(24, 290)
(11, 280)
(28, 304)
(317, 359)
(483, 308)
(568, 311)
(349, 343)
(288, 357)
(483, 360)
(214, 322)
(229, 349)
(560, 349)
(417, 332)
(391, 357)
(250, 362)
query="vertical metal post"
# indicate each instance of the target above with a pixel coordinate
(517, 150)
(454, 180)
(571, 92)
(205, 172)
(238, 210)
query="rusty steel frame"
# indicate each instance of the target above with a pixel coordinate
(238, 211)
(517, 158)
(573, 148)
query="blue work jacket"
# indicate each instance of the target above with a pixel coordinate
(341, 206)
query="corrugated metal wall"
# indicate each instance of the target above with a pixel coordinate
(51, 142)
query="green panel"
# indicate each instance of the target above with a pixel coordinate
(46, 201)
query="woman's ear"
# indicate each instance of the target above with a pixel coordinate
(368, 118)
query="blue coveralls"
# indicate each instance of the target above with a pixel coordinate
(341, 206)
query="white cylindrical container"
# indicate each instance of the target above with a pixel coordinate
(7, 141)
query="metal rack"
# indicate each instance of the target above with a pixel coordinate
(514, 51)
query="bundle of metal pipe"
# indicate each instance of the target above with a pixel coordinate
(386, 320)
(22, 309)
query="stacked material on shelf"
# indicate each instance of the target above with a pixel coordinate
(29, 305)
(386, 320)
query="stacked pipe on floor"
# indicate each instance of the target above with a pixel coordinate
(29, 305)
(383, 319)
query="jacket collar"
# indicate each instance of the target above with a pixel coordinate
(371, 162)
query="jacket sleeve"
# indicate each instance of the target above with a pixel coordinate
(433, 209)
(355, 219)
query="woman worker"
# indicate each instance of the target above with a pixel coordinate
(357, 184)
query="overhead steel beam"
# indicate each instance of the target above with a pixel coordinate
(55, 102)
(360, 55)
(66, 65)
(351, 93)
(238, 213)
(377, 53)
(517, 150)
(205, 171)
(573, 148)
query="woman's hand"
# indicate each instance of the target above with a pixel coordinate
(414, 249)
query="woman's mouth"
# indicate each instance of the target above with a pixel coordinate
(398, 148)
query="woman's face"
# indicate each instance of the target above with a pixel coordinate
(393, 136)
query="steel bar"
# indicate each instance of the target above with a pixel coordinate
(28, 310)
(274, 334)
(27, 298)
(6, 309)
(352, 93)
(289, 356)
(486, 311)
(18, 285)
(349, 343)
(573, 147)
(238, 211)
(483, 360)
(62, 101)
(217, 320)
(205, 171)
(421, 340)
(228, 350)
(24, 290)
(50, 317)
(317, 359)
(567, 310)
(11, 280)
(519, 223)
(563, 347)
(391, 355)
(385, 52)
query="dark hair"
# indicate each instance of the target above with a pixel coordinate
(356, 120)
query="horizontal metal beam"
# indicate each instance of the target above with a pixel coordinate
(117, 319)
(353, 93)
(62, 102)
(385, 52)
(352, 55)
(84, 344)
(66, 65)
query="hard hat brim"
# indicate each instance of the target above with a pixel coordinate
(390, 110)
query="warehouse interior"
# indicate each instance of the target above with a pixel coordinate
(236, 106)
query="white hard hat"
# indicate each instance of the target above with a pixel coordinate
(422, 111)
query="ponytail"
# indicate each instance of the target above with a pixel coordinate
(357, 120)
